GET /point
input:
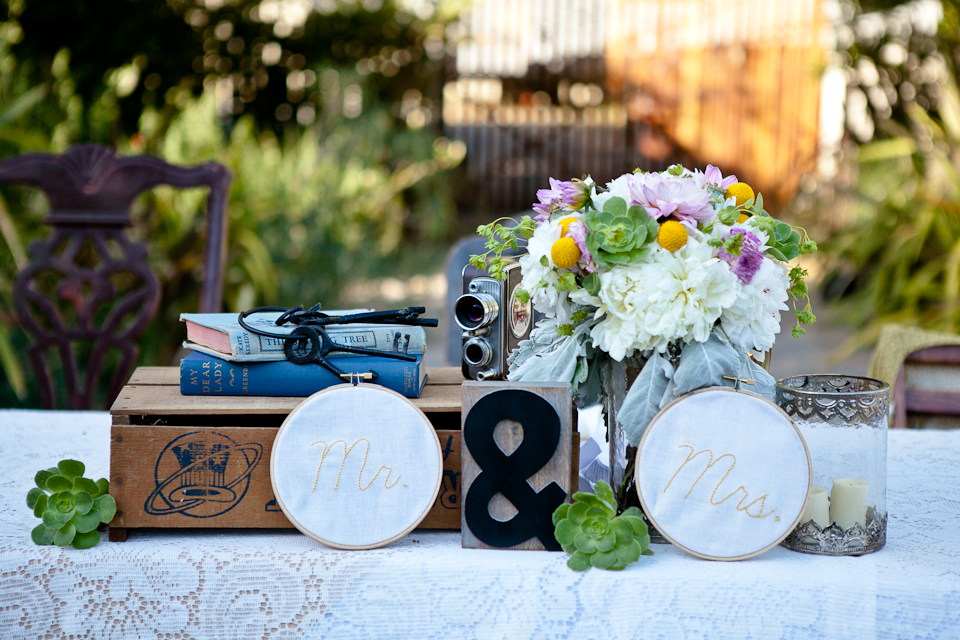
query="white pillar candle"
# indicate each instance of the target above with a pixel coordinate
(817, 508)
(848, 502)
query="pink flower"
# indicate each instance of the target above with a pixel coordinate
(745, 255)
(713, 176)
(561, 196)
(577, 231)
(664, 195)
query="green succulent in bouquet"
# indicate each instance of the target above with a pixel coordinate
(71, 506)
(594, 536)
(620, 235)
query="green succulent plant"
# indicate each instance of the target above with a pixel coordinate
(594, 536)
(619, 235)
(71, 506)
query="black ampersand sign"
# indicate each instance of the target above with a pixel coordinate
(508, 474)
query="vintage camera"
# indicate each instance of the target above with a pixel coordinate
(493, 321)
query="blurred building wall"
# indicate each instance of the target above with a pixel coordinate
(565, 87)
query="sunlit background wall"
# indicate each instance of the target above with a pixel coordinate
(366, 137)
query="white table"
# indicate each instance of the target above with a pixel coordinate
(283, 585)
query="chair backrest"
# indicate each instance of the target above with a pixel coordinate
(927, 392)
(87, 282)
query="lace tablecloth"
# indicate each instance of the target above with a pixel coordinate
(281, 584)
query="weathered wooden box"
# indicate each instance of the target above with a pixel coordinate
(194, 461)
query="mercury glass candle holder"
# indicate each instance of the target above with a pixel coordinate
(843, 420)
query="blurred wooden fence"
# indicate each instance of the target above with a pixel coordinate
(566, 87)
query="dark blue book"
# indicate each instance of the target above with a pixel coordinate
(205, 375)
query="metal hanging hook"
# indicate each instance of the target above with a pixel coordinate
(737, 380)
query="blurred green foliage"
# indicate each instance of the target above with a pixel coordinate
(895, 254)
(264, 53)
(329, 129)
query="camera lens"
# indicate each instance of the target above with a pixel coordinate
(477, 352)
(474, 310)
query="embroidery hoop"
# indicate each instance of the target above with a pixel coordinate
(391, 404)
(661, 423)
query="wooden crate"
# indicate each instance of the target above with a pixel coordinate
(203, 462)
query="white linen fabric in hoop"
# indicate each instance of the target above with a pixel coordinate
(378, 485)
(722, 473)
(242, 584)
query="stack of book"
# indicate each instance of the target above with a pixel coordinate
(228, 360)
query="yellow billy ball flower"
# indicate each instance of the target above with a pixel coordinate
(565, 253)
(564, 225)
(743, 217)
(672, 235)
(741, 191)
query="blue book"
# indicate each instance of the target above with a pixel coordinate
(205, 375)
(220, 335)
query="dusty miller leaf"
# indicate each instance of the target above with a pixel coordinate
(642, 401)
(548, 356)
(764, 385)
(703, 364)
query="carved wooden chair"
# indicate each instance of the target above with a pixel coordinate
(927, 392)
(87, 282)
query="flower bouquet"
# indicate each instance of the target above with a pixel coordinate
(680, 275)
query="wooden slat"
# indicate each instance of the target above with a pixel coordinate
(171, 375)
(558, 469)
(445, 513)
(145, 472)
(932, 402)
(155, 375)
(165, 400)
(900, 401)
(444, 375)
(937, 355)
(145, 475)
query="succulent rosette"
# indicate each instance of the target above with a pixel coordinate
(71, 506)
(594, 536)
(618, 234)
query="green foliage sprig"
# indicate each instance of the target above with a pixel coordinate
(499, 239)
(594, 536)
(785, 243)
(72, 507)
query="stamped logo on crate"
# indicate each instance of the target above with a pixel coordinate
(202, 474)
(450, 489)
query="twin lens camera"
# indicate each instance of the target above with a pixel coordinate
(493, 321)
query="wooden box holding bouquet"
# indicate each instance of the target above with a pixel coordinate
(652, 287)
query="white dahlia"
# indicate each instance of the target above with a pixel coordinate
(752, 322)
(669, 296)
(540, 279)
(619, 188)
